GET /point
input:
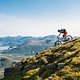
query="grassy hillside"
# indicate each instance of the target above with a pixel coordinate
(58, 63)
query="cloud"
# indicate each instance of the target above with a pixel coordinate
(36, 26)
(11, 25)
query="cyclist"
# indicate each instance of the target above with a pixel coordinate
(65, 37)
(64, 32)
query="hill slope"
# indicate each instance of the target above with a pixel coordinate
(58, 63)
(29, 45)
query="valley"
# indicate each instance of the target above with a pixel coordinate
(14, 49)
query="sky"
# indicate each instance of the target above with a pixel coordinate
(39, 17)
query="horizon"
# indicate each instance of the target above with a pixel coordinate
(26, 36)
(39, 17)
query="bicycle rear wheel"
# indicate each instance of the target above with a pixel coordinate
(57, 43)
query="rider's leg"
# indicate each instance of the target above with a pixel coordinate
(64, 36)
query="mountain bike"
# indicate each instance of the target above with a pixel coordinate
(62, 40)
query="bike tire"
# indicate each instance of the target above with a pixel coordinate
(57, 43)
(69, 37)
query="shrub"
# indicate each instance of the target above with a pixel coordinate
(69, 77)
(42, 60)
(30, 73)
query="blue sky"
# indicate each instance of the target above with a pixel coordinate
(39, 17)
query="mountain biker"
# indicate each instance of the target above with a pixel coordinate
(64, 32)
(65, 37)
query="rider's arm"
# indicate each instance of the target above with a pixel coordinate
(58, 35)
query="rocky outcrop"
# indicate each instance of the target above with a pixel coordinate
(9, 71)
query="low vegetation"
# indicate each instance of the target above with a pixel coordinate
(58, 63)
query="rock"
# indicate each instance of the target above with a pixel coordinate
(8, 71)
(52, 66)
(60, 65)
(27, 68)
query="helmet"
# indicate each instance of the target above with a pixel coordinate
(59, 30)
(63, 30)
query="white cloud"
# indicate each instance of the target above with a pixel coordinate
(36, 26)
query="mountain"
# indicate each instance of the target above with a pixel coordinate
(11, 41)
(58, 63)
(17, 40)
(32, 45)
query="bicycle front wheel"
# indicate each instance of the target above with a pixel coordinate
(57, 43)
(69, 38)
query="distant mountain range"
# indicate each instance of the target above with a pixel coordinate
(17, 40)
(27, 45)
